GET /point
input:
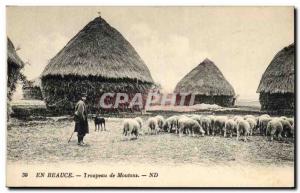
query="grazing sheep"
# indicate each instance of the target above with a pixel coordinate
(153, 125)
(205, 122)
(265, 115)
(171, 123)
(263, 122)
(219, 124)
(252, 123)
(262, 117)
(212, 122)
(236, 117)
(274, 127)
(190, 126)
(283, 117)
(287, 128)
(211, 117)
(291, 120)
(250, 116)
(180, 117)
(243, 128)
(140, 121)
(160, 121)
(196, 118)
(230, 126)
(237, 120)
(131, 127)
(183, 116)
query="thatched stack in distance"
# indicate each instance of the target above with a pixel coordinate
(14, 65)
(276, 87)
(208, 85)
(96, 60)
(32, 90)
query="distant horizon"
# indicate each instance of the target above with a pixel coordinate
(171, 40)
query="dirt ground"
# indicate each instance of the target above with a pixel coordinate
(46, 141)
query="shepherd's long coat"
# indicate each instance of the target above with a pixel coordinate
(81, 122)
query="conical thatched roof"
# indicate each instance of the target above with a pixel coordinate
(205, 79)
(279, 76)
(99, 50)
(12, 56)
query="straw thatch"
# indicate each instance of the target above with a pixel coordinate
(32, 90)
(99, 50)
(14, 65)
(12, 56)
(96, 60)
(276, 87)
(279, 76)
(209, 85)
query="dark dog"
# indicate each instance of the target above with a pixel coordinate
(99, 122)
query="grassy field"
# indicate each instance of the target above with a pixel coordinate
(46, 141)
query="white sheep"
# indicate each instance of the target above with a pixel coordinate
(160, 121)
(212, 121)
(180, 117)
(274, 126)
(230, 126)
(291, 120)
(287, 128)
(183, 116)
(211, 117)
(252, 123)
(283, 117)
(263, 122)
(171, 123)
(219, 125)
(153, 125)
(250, 116)
(205, 122)
(196, 118)
(180, 124)
(131, 127)
(189, 126)
(236, 117)
(265, 115)
(140, 121)
(243, 128)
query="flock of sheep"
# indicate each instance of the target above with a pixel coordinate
(213, 125)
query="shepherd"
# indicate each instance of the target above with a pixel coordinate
(81, 122)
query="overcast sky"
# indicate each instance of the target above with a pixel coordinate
(241, 41)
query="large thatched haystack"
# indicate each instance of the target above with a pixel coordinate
(14, 65)
(32, 90)
(96, 60)
(276, 87)
(208, 85)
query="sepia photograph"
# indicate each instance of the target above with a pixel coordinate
(151, 96)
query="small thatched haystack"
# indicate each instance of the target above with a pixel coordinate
(276, 87)
(32, 90)
(97, 60)
(208, 85)
(14, 65)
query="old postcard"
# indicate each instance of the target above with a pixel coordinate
(150, 96)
